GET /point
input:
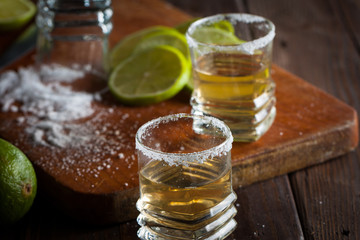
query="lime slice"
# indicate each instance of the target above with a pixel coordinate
(151, 76)
(126, 46)
(15, 13)
(171, 38)
(212, 35)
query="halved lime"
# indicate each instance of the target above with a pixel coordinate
(151, 76)
(15, 13)
(213, 35)
(171, 38)
(126, 46)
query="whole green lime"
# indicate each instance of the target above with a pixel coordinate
(18, 183)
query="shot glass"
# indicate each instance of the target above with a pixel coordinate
(185, 178)
(231, 56)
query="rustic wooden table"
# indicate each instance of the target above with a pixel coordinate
(316, 40)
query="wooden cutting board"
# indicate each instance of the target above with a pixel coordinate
(98, 182)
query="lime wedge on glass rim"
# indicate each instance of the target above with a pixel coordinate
(213, 35)
(223, 24)
(150, 76)
(183, 27)
(125, 48)
(15, 13)
(219, 33)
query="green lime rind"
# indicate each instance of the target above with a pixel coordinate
(224, 25)
(183, 27)
(171, 38)
(15, 13)
(211, 35)
(125, 48)
(18, 184)
(151, 76)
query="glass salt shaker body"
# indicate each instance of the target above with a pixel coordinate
(74, 32)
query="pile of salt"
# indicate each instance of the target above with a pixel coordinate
(51, 104)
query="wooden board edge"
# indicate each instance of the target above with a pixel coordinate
(316, 149)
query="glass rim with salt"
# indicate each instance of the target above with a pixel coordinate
(248, 47)
(199, 156)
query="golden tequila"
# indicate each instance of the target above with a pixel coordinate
(185, 178)
(238, 89)
(231, 59)
(197, 198)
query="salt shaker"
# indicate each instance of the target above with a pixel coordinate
(74, 32)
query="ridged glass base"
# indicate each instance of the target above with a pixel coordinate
(247, 122)
(217, 224)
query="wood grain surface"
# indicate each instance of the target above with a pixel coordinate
(318, 41)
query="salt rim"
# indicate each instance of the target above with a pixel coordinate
(248, 47)
(184, 158)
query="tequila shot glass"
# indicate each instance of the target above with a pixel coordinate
(231, 57)
(185, 178)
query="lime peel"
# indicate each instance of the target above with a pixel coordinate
(125, 48)
(18, 183)
(171, 38)
(15, 13)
